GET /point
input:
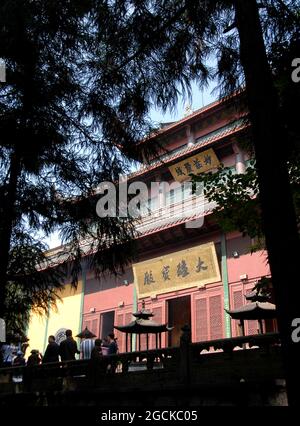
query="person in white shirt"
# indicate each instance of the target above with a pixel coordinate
(86, 348)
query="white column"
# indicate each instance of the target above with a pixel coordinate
(240, 166)
(190, 136)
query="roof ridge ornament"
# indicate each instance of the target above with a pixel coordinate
(187, 109)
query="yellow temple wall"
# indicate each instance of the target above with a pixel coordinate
(67, 315)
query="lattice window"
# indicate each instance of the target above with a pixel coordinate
(201, 320)
(237, 302)
(86, 323)
(120, 336)
(237, 299)
(157, 312)
(95, 326)
(251, 327)
(215, 317)
(143, 342)
(128, 319)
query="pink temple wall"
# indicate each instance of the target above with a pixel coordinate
(106, 293)
(254, 265)
(115, 292)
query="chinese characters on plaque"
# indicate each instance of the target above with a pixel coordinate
(196, 266)
(199, 163)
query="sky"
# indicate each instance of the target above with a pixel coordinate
(199, 99)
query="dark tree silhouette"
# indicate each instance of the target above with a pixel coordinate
(53, 155)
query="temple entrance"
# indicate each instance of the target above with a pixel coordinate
(179, 314)
(107, 323)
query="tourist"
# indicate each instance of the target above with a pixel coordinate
(112, 350)
(105, 346)
(112, 344)
(34, 358)
(97, 365)
(52, 351)
(19, 360)
(68, 348)
(7, 351)
(96, 352)
(86, 347)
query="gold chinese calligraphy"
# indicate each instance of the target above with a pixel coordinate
(199, 163)
(196, 266)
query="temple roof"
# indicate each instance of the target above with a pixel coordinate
(254, 311)
(204, 141)
(195, 115)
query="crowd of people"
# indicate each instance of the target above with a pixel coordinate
(67, 350)
(11, 355)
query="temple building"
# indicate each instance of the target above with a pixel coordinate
(187, 271)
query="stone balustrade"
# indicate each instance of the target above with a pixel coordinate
(254, 360)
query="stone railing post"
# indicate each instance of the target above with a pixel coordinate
(185, 354)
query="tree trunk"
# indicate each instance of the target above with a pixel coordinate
(278, 213)
(7, 223)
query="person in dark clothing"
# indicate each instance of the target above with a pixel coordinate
(112, 350)
(97, 365)
(112, 344)
(68, 348)
(52, 351)
(19, 360)
(34, 358)
(97, 350)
